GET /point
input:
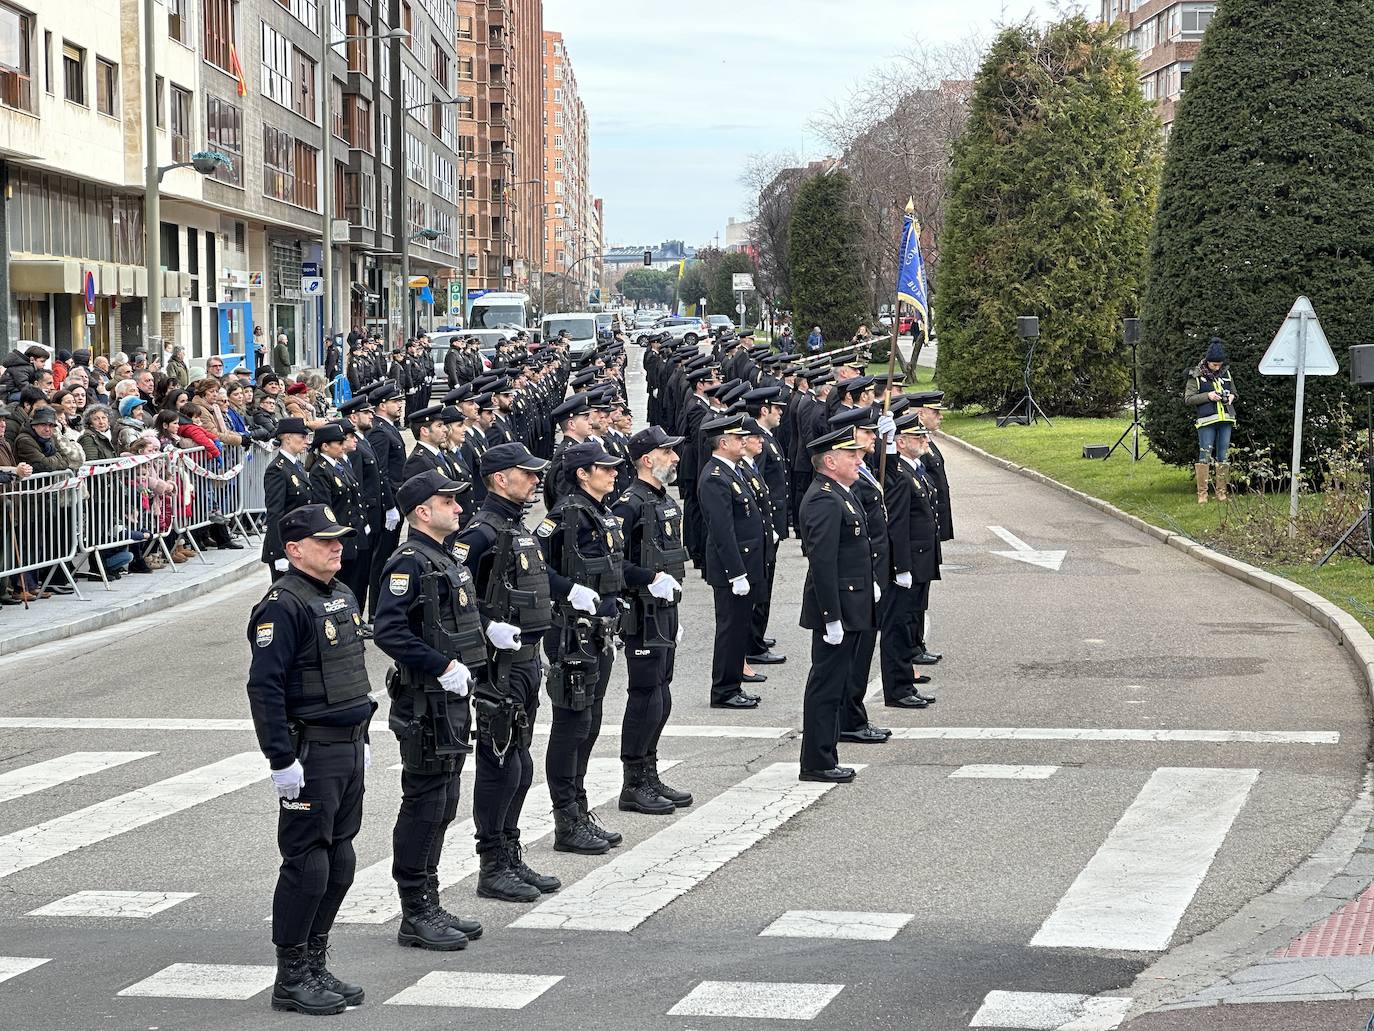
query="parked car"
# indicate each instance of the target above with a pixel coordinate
(716, 322)
(689, 330)
(581, 328)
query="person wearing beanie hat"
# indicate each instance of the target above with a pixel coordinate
(1212, 396)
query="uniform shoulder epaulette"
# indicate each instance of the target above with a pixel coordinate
(407, 551)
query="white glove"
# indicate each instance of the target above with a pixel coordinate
(455, 679)
(739, 586)
(289, 781)
(681, 631)
(777, 538)
(887, 426)
(367, 528)
(877, 594)
(903, 580)
(393, 518)
(663, 587)
(504, 636)
(281, 565)
(584, 599)
(834, 632)
(367, 756)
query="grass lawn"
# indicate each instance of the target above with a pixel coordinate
(1160, 494)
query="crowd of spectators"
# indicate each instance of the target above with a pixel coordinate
(60, 412)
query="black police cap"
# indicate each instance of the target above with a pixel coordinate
(574, 405)
(426, 415)
(580, 456)
(510, 456)
(650, 439)
(727, 424)
(461, 393)
(835, 440)
(355, 405)
(311, 521)
(423, 486)
(329, 433)
(764, 396)
(863, 418)
(290, 424)
(388, 391)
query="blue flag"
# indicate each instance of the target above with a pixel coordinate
(911, 270)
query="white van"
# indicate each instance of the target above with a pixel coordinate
(498, 310)
(581, 328)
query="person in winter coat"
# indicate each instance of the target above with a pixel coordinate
(1212, 396)
(19, 368)
(176, 367)
(67, 435)
(61, 365)
(98, 441)
(194, 427)
(36, 446)
(130, 421)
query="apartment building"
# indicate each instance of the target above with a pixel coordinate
(568, 246)
(239, 248)
(1166, 35)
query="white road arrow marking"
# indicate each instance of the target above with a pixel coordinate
(1023, 552)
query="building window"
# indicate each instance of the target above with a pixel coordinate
(106, 86)
(464, 27)
(160, 102)
(415, 215)
(443, 175)
(336, 114)
(415, 158)
(558, 142)
(465, 69)
(179, 112)
(467, 145)
(73, 73)
(439, 62)
(357, 48)
(307, 183)
(466, 107)
(16, 84)
(386, 139)
(307, 12)
(221, 20)
(496, 74)
(178, 24)
(1196, 18)
(224, 133)
(412, 89)
(276, 67)
(303, 70)
(358, 122)
(278, 173)
(360, 200)
(408, 23)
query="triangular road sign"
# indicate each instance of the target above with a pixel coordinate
(1282, 357)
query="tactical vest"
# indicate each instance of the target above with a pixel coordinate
(459, 620)
(519, 588)
(660, 529)
(334, 679)
(605, 572)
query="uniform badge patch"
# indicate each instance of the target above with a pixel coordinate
(736, 488)
(462, 597)
(329, 513)
(338, 482)
(357, 619)
(264, 635)
(545, 528)
(460, 552)
(850, 507)
(398, 584)
(524, 562)
(331, 633)
(295, 480)
(298, 806)
(610, 540)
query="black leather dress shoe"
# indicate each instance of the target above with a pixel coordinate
(927, 658)
(768, 658)
(929, 699)
(750, 695)
(864, 736)
(922, 679)
(737, 701)
(60, 589)
(838, 775)
(884, 731)
(911, 701)
(768, 642)
(753, 678)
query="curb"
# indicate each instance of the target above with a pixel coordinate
(18, 642)
(1326, 615)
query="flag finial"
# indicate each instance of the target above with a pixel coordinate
(910, 205)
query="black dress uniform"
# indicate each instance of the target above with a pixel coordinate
(758, 618)
(389, 447)
(854, 720)
(309, 695)
(734, 548)
(695, 413)
(583, 545)
(512, 586)
(363, 462)
(333, 484)
(286, 487)
(915, 550)
(652, 524)
(428, 617)
(838, 588)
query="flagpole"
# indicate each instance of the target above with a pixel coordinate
(896, 337)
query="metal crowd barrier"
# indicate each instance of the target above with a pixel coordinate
(40, 526)
(127, 503)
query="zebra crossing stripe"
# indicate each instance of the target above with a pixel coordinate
(625, 892)
(1052, 1011)
(84, 827)
(13, 966)
(1135, 889)
(28, 779)
(373, 899)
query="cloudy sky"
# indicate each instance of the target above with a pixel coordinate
(681, 94)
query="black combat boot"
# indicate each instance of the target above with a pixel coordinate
(681, 799)
(315, 953)
(472, 930)
(572, 834)
(515, 859)
(423, 928)
(298, 988)
(612, 838)
(639, 796)
(496, 879)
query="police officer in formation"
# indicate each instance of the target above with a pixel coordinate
(388, 445)
(512, 586)
(357, 414)
(428, 623)
(655, 564)
(585, 551)
(286, 487)
(309, 696)
(332, 483)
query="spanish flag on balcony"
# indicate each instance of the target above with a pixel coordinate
(236, 67)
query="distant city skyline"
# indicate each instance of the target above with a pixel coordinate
(675, 115)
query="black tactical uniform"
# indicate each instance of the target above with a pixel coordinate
(512, 587)
(333, 484)
(427, 617)
(309, 695)
(286, 487)
(583, 545)
(363, 462)
(652, 525)
(389, 447)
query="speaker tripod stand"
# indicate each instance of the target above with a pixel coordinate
(1026, 410)
(1365, 548)
(1133, 430)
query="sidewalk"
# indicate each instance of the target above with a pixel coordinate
(133, 595)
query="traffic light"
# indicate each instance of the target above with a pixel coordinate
(648, 258)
